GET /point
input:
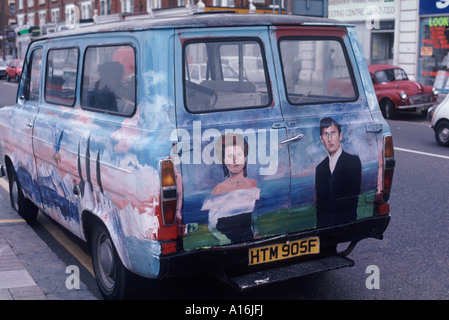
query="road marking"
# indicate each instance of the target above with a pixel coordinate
(73, 248)
(5, 221)
(4, 184)
(11, 84)
(423, 153)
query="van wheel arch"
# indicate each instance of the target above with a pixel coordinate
(21, 204)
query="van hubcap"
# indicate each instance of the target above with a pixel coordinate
(15, 195)
(106, 261)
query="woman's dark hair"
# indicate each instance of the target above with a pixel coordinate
(231, 140)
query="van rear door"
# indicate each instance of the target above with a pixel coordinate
(235, 172)
(334, 154)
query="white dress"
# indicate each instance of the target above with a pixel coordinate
(229, 204)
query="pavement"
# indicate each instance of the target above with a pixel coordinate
(29, 269)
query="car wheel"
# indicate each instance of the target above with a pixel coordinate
(442, 133)
(388, 109)
(24, 207)
(111, 275)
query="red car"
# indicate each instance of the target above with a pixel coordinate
(395, 91)
(14, 69)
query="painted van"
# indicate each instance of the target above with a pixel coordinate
(166, 175)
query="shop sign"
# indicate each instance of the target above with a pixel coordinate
(361, 10)
(433, 7)
(438, 35)
(434, 52)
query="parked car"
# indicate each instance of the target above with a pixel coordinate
(2, 69)
(396, 92)
(165, 175)
(439, 121)
(14, 69)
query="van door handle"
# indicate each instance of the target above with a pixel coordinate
(295, 138)
(278, 125)
(30, 125)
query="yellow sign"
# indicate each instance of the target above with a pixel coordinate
(426, 51)
(282, 251)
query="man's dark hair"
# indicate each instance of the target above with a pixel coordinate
(326, 123)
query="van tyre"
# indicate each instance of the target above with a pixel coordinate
(442, 133)
(24, 207)
(111, 275)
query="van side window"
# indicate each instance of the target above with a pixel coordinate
(109, 79)
(225, 74)
(31, 76)
(316, 71)
(60, 79)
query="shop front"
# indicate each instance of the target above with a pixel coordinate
(433, 64)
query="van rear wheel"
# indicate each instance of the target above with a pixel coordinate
(24, 207)
(111, 275)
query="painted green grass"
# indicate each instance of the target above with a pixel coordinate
(275, 223)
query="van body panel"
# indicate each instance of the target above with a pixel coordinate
(17, 135)
(201, 132)
(354, 116)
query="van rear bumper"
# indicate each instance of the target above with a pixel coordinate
(219, 259)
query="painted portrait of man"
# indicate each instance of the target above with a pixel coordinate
(337, 179)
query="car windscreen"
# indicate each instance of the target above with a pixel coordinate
(390, 75)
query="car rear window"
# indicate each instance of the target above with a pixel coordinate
(316, 71)
(109, 79)
(225, 74)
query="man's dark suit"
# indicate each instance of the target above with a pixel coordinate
(337, 194)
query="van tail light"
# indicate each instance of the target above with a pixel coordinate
(388, 172)
(168, 192)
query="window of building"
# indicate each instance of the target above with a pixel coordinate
(55, 15)
(223, 3)
(154, 4)
(30, 19)
(86, 10)
(109, 80)
(20, 20)
(127, 6)
(60, 77)
(42, 18)
(105, 7)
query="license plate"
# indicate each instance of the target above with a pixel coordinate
(282, 251)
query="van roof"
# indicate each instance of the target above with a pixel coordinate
(198, 21)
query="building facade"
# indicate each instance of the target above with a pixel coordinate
(7, 25)
(42, 12)
(411, 34)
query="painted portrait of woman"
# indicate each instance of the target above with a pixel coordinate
(233, 200)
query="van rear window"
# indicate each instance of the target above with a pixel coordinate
(109, 80)
(316, 71)
(225, 74)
